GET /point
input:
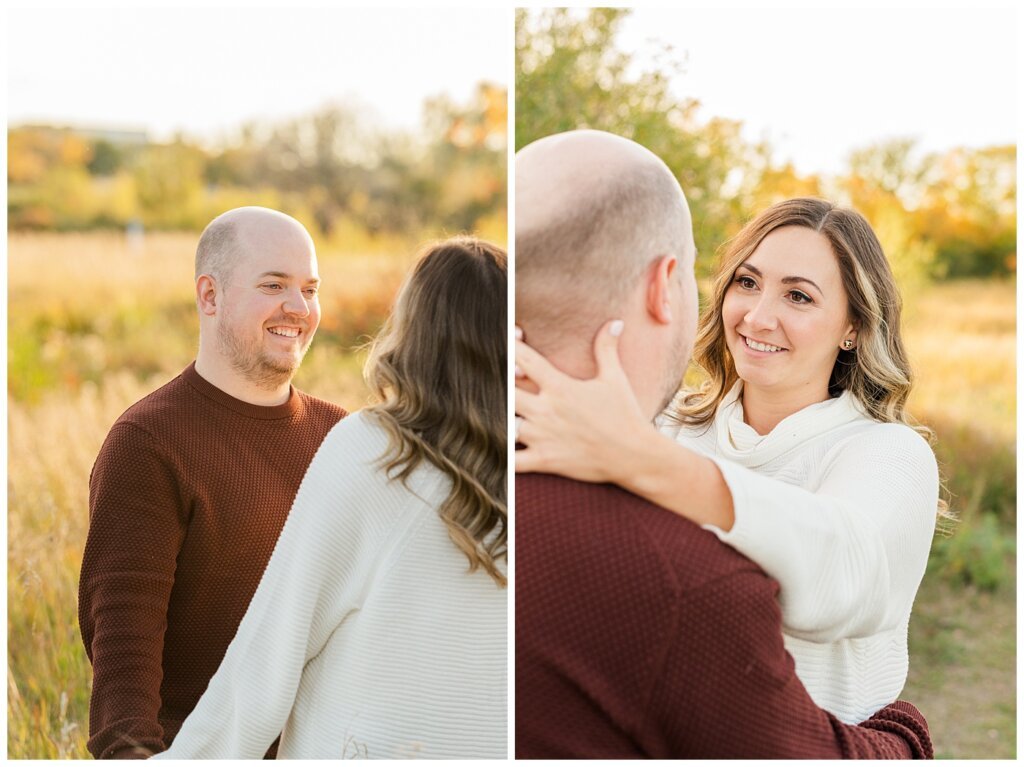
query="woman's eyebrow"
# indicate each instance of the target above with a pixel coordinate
(785, 280)
(791, 280)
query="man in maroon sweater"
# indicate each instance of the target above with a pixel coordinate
(638, 634)
(194, 482)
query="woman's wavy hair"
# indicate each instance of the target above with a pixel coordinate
(877, 372)
(438, 368)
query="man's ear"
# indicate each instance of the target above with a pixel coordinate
(659, 293)
(207, 294)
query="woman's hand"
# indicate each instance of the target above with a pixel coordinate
(581, 429)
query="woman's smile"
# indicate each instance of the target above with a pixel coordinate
(761, 347)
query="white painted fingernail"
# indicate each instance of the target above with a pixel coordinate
(519, 372)
(519, 333)
(519, 420)
(616, 328)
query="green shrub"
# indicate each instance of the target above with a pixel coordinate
(976, 552)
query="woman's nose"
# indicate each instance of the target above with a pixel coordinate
(762, 315)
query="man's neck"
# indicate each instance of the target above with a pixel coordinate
(577, 360)
(230, 382)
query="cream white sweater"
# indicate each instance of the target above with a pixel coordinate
(840, 510)
(367, 637)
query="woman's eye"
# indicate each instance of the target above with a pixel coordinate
(746, 282)
(799, 298)
(310, 292)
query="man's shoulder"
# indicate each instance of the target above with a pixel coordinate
(163, 404)
(590, 523)
(151, 425)
(321, 407)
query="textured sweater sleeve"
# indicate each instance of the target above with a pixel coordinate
(850, 556)
(318, 574)
(136, 527)
(729, 689)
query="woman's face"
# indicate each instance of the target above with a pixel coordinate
(786, 315)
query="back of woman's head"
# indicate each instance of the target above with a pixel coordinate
(439, 369)
(877, 372)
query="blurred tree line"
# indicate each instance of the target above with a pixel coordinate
(331, 169)
(950, 214)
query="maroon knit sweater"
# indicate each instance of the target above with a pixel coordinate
(186, 500)
(638, 634)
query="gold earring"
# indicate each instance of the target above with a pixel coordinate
(847, 344)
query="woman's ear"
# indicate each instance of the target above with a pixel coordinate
(849, 341)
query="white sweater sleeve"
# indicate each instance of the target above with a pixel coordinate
(318, 573)
(850, 556)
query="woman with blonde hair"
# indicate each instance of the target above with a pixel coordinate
(797, 450)
(379, 627)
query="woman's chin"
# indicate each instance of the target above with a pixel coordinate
(754, 375)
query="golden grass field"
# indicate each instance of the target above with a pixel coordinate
(95, 325)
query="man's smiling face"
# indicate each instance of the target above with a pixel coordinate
(269, 307)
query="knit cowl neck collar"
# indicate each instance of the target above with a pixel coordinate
(738, 441)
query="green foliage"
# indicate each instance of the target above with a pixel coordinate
(949, 214)
(981, 472)
(570, 75)
(970, 210)
(332, 169)
(975, 554)
(72, 347)
(106, 158)
(962, 657)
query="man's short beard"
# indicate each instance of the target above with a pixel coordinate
(674, 370)
(255, 366)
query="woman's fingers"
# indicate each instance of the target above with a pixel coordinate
(526, 433)
(531, 364)
(527, 403)
(527, 461)
(606, 350)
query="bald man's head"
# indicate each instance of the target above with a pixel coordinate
(231, 235)
(593, 211)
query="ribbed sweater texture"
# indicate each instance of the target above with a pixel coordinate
(840, 510)
(640, 635)
(368, 637)
(186, 500)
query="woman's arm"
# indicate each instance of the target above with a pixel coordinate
(677, 478)
(314, 578)
(850, 556)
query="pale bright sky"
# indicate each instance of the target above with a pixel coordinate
(205, 71)
(820, 82)
(815, 82)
